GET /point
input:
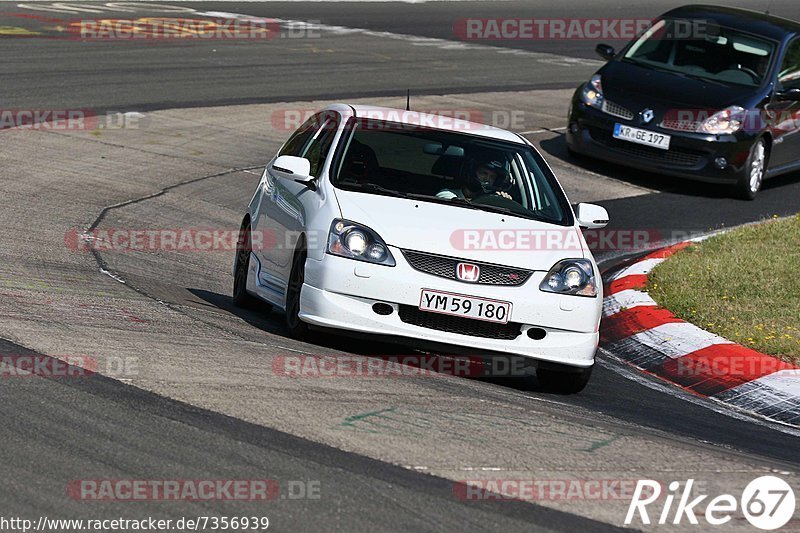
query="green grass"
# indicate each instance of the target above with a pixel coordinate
(743, 285)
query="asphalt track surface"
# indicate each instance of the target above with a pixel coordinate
(61, 430)
(151, 76)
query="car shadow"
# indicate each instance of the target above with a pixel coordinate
(480, 367)
(781, 181)
(272, 322)
(557, 147)
(265, 321)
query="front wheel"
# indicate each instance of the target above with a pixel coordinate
(573, 154)
(241, 297)
(297, 328)
(752, 176)
(567, 381)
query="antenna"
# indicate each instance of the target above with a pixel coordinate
(408, 99)
(769, 5)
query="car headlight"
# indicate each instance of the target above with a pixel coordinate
(727, 121)
(571, 276)
(593, 92)
(354, 241)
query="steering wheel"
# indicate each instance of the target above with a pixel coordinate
(497, 200)
(752, 73)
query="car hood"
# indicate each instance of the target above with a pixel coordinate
(637, 88)
(462, 232)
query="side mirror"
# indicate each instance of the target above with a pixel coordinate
(293, 168)
(591, 216)
(605, 51)
(788, 95)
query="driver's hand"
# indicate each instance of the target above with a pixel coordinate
(504, 194)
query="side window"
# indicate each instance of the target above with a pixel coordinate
(299, 139)
(522, 191)
(317, 151)
(789, 74)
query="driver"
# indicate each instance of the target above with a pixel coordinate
(483, 178)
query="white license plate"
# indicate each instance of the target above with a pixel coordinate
(449, 303)
(636, 135)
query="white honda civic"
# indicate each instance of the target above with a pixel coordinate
(425, 229)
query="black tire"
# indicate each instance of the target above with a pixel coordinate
(572, 154)
(297, 328)
(243, 247)
(571, 381)
(241, 298)
(752, 175)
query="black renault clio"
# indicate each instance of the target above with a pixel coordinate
(708, 93)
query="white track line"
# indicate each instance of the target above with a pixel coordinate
(416, 40)
(623, 369)
(677, 339)
(627, 299)
(543, 130)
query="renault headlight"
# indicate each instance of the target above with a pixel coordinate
(593, 92)
(727, 121)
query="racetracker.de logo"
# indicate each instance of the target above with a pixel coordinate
(736, 118)
(170, 240)
(70, 119)
(465, 119)
(550, 29)
(158, 28)
(67, 366)
(248, 490)
(292, 118)
(394, 366)
(709, 363)
(121, 490)
(568, 239)
(544, 489)
(49, 119)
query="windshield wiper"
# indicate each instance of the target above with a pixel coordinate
(376, 188)
(401, 194)
(668, 70)
(701, 78)
(498, 209)
(649, 65)
(482, 207)
(637, 62)
(461, 202)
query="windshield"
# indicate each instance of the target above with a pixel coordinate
(450, 168)
(712, 52)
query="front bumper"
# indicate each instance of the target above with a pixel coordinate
(339, 293)
(691, 155)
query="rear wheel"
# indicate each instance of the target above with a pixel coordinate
(297, 328)
(566, 381)
(752, 175)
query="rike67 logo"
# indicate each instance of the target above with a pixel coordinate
(766, 502)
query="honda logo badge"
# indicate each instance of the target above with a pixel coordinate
(468, 272)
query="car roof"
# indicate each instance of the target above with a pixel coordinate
(770, 26)
(435, 121)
